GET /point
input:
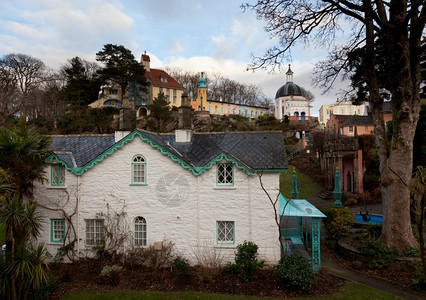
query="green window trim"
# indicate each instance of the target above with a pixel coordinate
(57, 230)
(225, 233)
(139, 170)
(225, 175)
(57, 175)
(196, 171)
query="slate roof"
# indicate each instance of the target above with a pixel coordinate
(358, 121)
(78, 150)
(255, 150)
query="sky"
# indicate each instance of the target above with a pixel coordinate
(198, 36)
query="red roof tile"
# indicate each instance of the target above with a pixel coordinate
(155, 75)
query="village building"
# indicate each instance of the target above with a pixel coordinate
(291, 100)
(197, 190)
(224, 107)
(343, 108)
(136, 99)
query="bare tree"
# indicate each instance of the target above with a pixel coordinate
(28, 73)
(400, 26)
(220, 88)
(190, 80)
(9, 94)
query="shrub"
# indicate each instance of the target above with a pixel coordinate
(295, 271)
(180, 266)
(112, 273)
(337, 224)
(46, 288)
(380, 253)
(374, 230)
(134, 257)
(246, 262)
(156, 259)
(209, 262)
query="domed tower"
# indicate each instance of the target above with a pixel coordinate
(291, 100)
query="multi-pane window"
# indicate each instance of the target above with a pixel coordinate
(57, 230)
(351, 129)
(95, 234)
(140, 231)
(174, 96)
(57, 175)
(225, 232)
(225, 174)
(138, 170)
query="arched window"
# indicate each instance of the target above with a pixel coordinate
(140, 231)
(138, 170)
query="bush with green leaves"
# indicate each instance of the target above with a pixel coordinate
(337, 224)
(374, 230)
(246, 261)
(295, 271)
(112, 273)
(180, 266)
(381, 255)
(46, 288)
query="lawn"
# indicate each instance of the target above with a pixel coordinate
(308, 189)
(350, 290)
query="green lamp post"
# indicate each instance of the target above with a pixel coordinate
(294, 189)
(337, 191)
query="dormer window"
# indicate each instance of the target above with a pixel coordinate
(163, 79)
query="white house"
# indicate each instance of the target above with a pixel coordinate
(193, 189)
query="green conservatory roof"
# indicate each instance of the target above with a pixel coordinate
(298, 208)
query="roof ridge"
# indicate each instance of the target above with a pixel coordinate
(83, 135)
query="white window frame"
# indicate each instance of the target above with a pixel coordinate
(225, 232)
(140, 231)
(138, 170)
(57, 230)
(351, 129)
(95, 232)
(57, 175)
(223, 172)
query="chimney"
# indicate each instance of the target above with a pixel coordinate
(145, 61)
(184, 132)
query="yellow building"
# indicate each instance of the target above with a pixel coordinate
(220, 107)
(341, 108)
(159, 82)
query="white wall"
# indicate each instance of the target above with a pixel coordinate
(177, 205)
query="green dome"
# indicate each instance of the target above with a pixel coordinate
(202, 82)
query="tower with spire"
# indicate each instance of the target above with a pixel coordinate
(200, 103)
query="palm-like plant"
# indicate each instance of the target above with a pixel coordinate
(24, 267)
(22, 155)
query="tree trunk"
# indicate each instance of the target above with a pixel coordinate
(397, 231)
(396, 158)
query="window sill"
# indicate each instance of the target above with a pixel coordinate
(60, 243)
(225, 246)
(225, 187)
(138, 184)
(56, 187)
